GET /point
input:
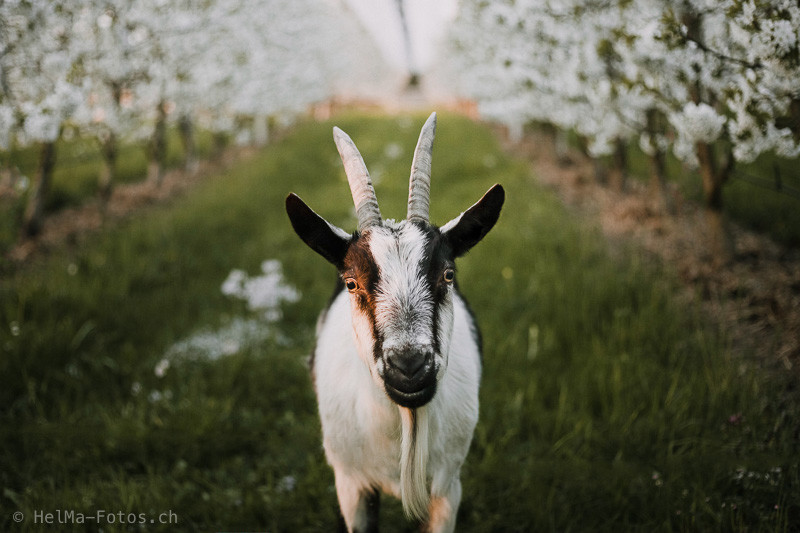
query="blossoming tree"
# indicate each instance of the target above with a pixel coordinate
(714, 81)
(116, 69)
(39, 89)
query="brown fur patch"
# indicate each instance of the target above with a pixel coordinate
(360, 265)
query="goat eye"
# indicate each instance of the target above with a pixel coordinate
(449, 275)
(351, 284)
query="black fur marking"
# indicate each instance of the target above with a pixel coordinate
(373, 503)
(315, 231)
(476, 221)
(373, 510)
(438, 257)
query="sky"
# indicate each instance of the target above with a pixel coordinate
(427, 24)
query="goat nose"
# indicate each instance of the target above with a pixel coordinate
(407, 363)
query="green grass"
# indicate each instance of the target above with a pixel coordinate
(605, 404)
(773, 212)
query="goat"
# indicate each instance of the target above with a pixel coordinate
(397, 363)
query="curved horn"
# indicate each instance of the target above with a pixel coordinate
(364, 197)
(419, 188)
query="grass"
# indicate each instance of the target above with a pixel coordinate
(774, 212)
(605, 404)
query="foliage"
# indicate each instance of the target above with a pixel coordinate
(716, 70)
(605, 404)
(106, 67)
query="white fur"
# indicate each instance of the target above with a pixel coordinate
(362, 428)
(414, 442)
(403, 309)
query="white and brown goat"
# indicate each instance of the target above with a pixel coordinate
(397, 362)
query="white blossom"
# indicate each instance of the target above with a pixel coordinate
(698, 123)
(598, 68)
(263, 293)
(106, 66)
(161, 368)
(209, 344)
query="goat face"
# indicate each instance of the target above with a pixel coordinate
(400, 275)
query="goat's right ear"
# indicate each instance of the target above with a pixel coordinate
(321, 236)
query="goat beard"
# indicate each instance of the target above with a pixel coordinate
(414, 461)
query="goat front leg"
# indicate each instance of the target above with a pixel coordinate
(359, 506)
(443, 509)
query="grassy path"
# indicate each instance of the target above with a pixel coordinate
(605, 405)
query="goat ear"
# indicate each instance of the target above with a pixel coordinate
(320, 235)
(467, 229)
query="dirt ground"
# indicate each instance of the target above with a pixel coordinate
(754, 294)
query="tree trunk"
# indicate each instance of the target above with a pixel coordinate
(220, 142)
(712, 180)
(108, 173)
(34, 211)
(658, 166)
(598, 165)
(600, 171)
(158, 146)
(658, 182)
(108, 149)
(619, 174)
(186, 130)
(561, 146)
(714, 177)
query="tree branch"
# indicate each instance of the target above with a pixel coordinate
(705, 48)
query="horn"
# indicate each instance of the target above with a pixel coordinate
(419, 188)
(361, 188)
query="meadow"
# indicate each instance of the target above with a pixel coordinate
(129, 382)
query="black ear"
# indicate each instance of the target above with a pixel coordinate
(324, 238)
(466, 230)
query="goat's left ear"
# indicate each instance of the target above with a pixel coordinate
(320, 235)
(467, 229)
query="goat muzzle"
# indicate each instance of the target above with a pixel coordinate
(409, 377)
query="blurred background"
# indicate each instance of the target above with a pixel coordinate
(668, 88)
(640, 297)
